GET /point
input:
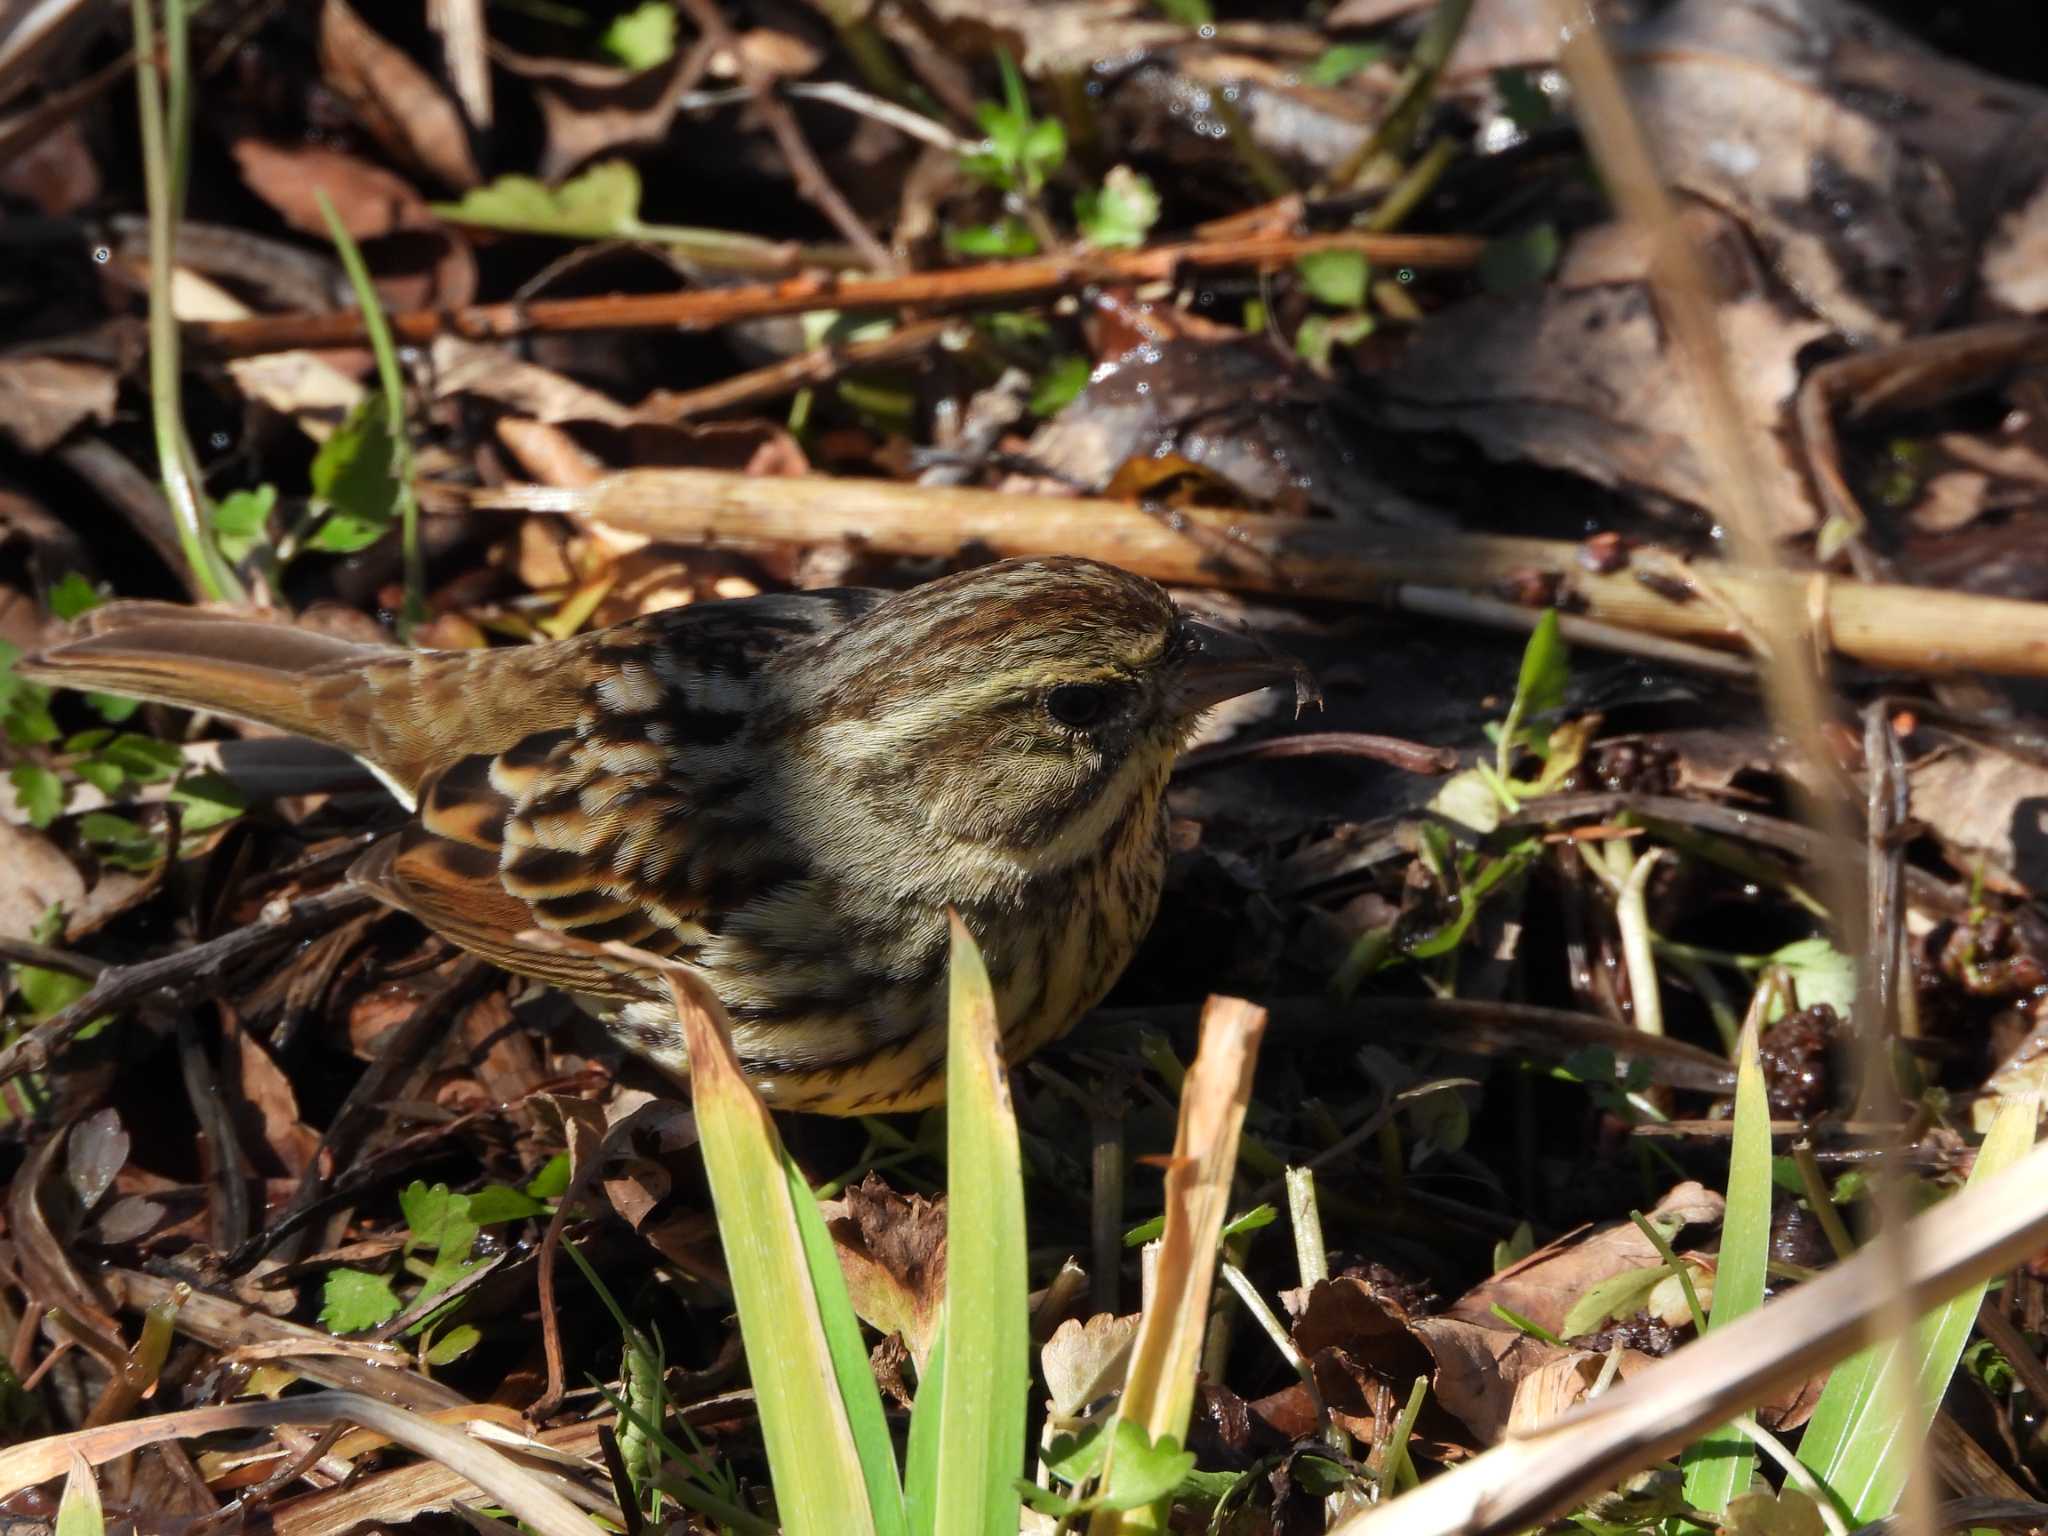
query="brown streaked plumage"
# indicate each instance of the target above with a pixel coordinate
(786, 793)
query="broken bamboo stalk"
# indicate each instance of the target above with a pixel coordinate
(1650, 589)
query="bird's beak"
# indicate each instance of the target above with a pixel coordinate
(1222, 665)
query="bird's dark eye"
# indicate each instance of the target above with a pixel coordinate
(1077, 704)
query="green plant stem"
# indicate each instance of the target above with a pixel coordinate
(1398, 1470)
(1425, 67)
(1817, 1196)
(1795, 1474)
(1632, 917)
(1261, 166)
(164, 134)
(1677, 1267)
(1310, 1254)
(1413, 187)
(413, 611)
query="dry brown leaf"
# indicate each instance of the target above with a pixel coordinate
(1988, 810)
(505, 1059)
(1543, 1286)
(892, 1249)
(1239, 411)
(777, 55)
(369, 200)
(1498, 34)
(57, 173)
(423, 268)
(1859, 225)
(267, 1089)
(43, 398)
(1480, 1371)
(491, 373)
(2015, 263)
(96, 1152)
(1578, 376)
(37, 876)
(547, 453)
(1085, 1362)
(403, 106)
(1561, 1384)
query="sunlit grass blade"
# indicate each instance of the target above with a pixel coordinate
(1159, 1392)
(863, 1403)
(819, 1478)
(1720, 1466)
(1855, 1442)
(984, 1374)
(79, 1511)
(921, 1451)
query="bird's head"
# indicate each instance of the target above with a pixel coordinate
(1024, 707)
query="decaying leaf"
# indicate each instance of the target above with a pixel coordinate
(893, 1250)
(1544, 1286)
(369, 200)
(43, 398)
(1988, 809)
(1481, 1373)
(399, 102)
(1580, 375)
(1085, 1362)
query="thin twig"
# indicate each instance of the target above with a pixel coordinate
(998, 282)
(1408, 756)
(1884, 762)
(45, 957)
(811, 180)
(817, 366)
(179, 976)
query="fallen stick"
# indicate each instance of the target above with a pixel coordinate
(1650, 589)
(707, 308)
(185, 973)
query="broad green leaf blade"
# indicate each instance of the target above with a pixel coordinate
(812, 1457)
(601, 204)
(987, 1367)
(1720, 1466)
(1856, 1442)
(856, 1376)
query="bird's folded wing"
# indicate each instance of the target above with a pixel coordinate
(448, 870)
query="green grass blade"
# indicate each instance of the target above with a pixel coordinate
(1856, 1441)
(79, 1512)
(1720, 1466)
(864, 1415)
(987, 1366)
(392, 380)
(921, 1455)
(817, 1470)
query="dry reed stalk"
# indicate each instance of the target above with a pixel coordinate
(1908, 629)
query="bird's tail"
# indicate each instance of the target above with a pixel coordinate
(374, 701)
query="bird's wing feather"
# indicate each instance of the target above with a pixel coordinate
(454, 889)
(535, 836)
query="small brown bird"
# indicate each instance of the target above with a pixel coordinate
(785, 792)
